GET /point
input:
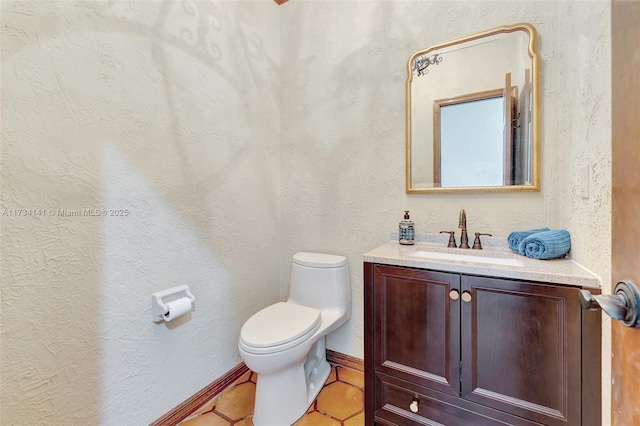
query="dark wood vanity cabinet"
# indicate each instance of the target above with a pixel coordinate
(473, 350)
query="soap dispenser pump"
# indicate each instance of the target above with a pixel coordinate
(406, 230)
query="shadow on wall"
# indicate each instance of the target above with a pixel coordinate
(168, 110)
(144, 253)
(343, 143)
(345, 112)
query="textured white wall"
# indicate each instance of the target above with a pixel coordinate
(169, 110)
(172, 110)
(343, 68)
(584, 141)
(343, 143)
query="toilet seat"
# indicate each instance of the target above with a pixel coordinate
(279, 327)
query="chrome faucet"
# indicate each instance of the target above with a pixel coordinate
(462, 223)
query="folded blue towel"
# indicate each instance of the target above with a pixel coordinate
(546, 244)
(516, 237)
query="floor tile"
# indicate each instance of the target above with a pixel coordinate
(244, 378)
(207, 419)
(353, 377)
(332, 376)
(340, 400)
(340, 403)
(316, 419)
(237, 402)
(357, 420)
(207, 406)
(312, 407)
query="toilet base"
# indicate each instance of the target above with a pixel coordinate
(284, 397)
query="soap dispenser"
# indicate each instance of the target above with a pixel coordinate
(406, 230)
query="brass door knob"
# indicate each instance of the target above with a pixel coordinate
(414, 405)
(466, 297)
(454, 295)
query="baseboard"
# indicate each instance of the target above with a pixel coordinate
(183, 410)
(345, 360)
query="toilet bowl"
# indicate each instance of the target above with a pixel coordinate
(284, 344)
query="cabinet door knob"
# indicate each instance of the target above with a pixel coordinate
(454, 295)
(414, 405)
(466, 297)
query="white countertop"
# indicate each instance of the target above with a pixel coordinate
(495, 260)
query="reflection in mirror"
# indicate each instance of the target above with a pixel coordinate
(472, 114)
(465, 130)
(468, 147)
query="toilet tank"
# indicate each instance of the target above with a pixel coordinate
(320, 281)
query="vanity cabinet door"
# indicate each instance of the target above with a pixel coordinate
(417, 327)
(521, 348)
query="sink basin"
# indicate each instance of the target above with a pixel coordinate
(475, 258)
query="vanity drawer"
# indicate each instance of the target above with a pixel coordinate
(394, 397)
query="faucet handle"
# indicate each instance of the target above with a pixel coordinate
(476, 243)
(452, 238)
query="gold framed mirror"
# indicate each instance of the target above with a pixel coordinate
(472, 114)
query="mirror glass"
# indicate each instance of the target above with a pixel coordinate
(472, 114)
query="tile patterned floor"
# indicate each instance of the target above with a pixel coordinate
(340, 403)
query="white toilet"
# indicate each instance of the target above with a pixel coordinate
(285, 343)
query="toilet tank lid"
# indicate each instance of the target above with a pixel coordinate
(319, 260)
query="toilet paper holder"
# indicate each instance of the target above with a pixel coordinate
(160, 299)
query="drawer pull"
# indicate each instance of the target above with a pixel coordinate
(466, 297)
(414, 405)
(454, 295)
